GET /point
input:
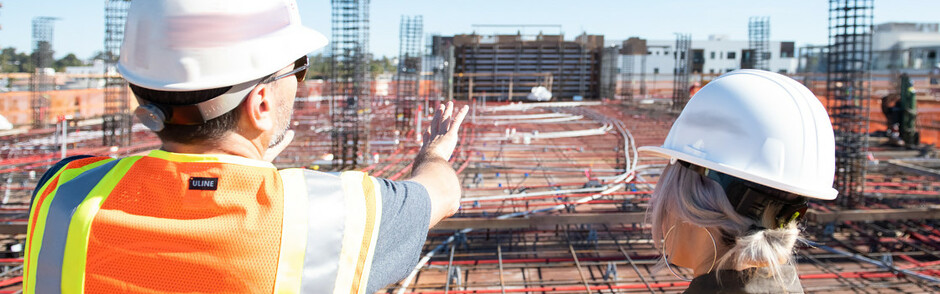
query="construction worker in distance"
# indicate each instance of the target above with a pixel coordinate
(208, 212)
(745, 154)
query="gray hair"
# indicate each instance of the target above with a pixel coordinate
(699, 200)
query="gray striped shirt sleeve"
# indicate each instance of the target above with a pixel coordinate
(406, 213)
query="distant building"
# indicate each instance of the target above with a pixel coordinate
(508, 66)
(86, 77)
(716, 55)
(909, 46)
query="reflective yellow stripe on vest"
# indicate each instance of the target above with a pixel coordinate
(76, 247)
(35, 241)
(336, 255)
(293, 233)
(363, 215)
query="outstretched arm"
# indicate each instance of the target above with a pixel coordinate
(431, 167)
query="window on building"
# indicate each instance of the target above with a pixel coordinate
(731, 55)
(655, 70)
(782, 71)
(649, 53)
(712, 55)
(711, 71)
(665, 52)
(786, 49)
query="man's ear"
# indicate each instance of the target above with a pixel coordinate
(258, 113)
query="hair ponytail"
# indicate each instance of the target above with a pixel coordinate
(698, 200)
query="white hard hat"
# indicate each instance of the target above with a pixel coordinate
(758, 126)
(185, 45)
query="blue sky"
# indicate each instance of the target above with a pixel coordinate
(81, 28)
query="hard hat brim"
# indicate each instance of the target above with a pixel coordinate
(823, 194)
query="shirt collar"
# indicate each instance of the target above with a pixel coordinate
(187, 157)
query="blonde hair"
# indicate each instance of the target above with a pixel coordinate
(690, 197)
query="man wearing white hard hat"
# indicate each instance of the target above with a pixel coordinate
(208, 212)
(744, 155)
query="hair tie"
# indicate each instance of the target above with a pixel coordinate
(754, 229)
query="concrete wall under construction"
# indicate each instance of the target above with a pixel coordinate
(568, 68)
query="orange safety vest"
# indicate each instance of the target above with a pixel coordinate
(175, 223)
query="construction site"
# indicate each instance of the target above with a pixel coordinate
(554, 191)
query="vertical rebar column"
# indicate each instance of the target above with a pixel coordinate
(429, 66)
(440, 63)
(847, 82)
(683, 58)
(582, 51)
(350, 88)
(39, 81)
(758, 38)
(408, 75)
(626, 77)
(447, 78)
(608, 87)
(633, 49)
(117, 121)
(643, 91)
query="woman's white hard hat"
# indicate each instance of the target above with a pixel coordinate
(186, 45)
(758, 126)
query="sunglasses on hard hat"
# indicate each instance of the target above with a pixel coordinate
(299, 71)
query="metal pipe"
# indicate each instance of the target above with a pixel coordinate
(874, 262)
(65, 126)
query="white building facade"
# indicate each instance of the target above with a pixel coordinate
(86, 77)
(910, 46)
(716, 55)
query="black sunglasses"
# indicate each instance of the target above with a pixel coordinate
(299, 71)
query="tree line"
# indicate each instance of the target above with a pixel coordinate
(13, 61)
(320, 66)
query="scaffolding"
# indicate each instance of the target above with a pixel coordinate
(812, 59)
(40, 80)
(432, 65)
(408, 75)
(608, 88)
(575, 65)
(117, 121)
(626, 76)
(441, 64)
(350, 88)
(758, 39)
(847, 83)
(682, 71)
(634, 49)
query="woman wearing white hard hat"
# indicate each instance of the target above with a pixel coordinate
(744, 155)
